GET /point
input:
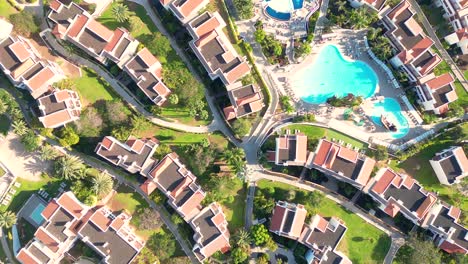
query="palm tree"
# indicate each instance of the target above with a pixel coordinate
(242, 238)
(102, 184)
(3, 107)
(69, 167)
(341, 5)
(120, 12)
(19, 127)
(7, 219)
(15, 113)
(359, 18)
(47, 152)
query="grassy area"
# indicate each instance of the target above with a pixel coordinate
(314, 132)
(362, 243)
(6, 9)
(4, 124)
(419, 167)
(108, 20)
(181, 115)
(27, 188)
(235, 211)
(91, 88)
(462, 94)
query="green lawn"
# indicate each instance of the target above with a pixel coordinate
(462, 94)
(27, 188)
(314, 132)
(4, 124)
(419, 167)
(108, 20)
(362, 243)
(6, 9)
(235, 211)
(181, 115)
(91, 88)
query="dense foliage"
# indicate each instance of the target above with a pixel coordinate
(271, 47)
(24, 23)
(245, 8)
(343, 15)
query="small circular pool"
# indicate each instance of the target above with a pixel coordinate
(390, 108)
(282, 9)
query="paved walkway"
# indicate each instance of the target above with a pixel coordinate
(443, 53)
(122, 90)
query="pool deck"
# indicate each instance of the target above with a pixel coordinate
(352, 47)
(30, 205)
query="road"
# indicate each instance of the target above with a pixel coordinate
(443, 53)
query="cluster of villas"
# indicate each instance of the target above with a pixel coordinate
(23, 65)
(394, 192)
(210, 44)
(68, 221)
(322, 236)
(456, 14)
(414, 54)
(178, 184)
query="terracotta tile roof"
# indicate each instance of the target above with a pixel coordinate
(26, 258)
(440, 81)
(77, 26)
(454, 212)
(322, 152)
(461, 158)
(100, 220)
(451, 96)
(165, 2)
(148, 58)
(117, 223)
(149, 186)
(385, 180)
(392, 209)
(399, 9)
(20, 51)
(413, 26)
(46, 239)
(428, 66)
(40, 79)
(162, 165)
(322, 224)
(161, 89)
(298, 223)
(426, 205)
(218, 219)
(55, 5)
(107, 142)
(238, 72)
(62, 95)
(70, 204)
(193, 203)
(220, 243)
(256, 106)
(135, 144)
(208, 26)
(408, 182)
(100, 30)
(277, 218)
(187, 8)
(117, 35)
(23, 68)
(229, 112)
(56, 119)
(301, 148)
(366, 171)
(348, 154)
(452, 248)
(50, 210)
(443, 109)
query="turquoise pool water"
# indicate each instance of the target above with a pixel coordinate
(391, 108)
(282, 9)
(36, 214)
(332, 75)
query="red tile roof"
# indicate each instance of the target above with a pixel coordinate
(71, 205)
(392, 209)
(77, 26)
(426, 205)
(107, 142)
(147, 57)
(20, 51)
(238, 72)
(428, 66)
(100, 30)
(187, 8)
(322, 152)
(40, 79)
(454, 212)
(50, 210)
(46, 239)
(277, 218)
(148, 186)
(100, 220)
(440, 81)
(322, 224)
(461, 158)
(118, 34)
(55, 5)
(348, 154)
(56, 119)
(208, 26)
(384, 181)
(26, 258)
(452, 248)
(229, 112)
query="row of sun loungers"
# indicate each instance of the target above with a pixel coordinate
(7, 198)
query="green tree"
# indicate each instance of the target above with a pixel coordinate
(120, 12)
(7, 219)
(149, 219)
(24, 23)
(162, 244)
(176, 219)
(102, 184)
(30, 141)
(204, 115)
(259, 234)
(68, 137)
(121, 133)
(380, 152)
(47, 152)
(156, 110)
(173, 99)
(242, 238)
(3, 107)
(15, 113)
(19, 127)
(424, 251)
(139, 124)
(69, 167)
(135, 23)
(286, 104)
(271, 244)
(239, 255)
(245, 8)
(160, 46)
(63, 84)
(241, 127)
(146, 256)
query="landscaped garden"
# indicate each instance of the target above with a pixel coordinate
(362, 243)
(92, 88)
(418, 166)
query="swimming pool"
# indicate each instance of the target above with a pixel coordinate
(36, 214)
(391, 108)
(282, 9)
(331, 75)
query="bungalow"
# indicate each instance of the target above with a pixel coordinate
(211, 232)
(450, 165)
(449, 235)
(214, 50)
(400, 193)
(146, 72)
(343, 163)
(322, 236)
(245, 100)
(178, 184)
(288, 219)
(436, 94)
(407, 37)
(59, 108)
(74, 24)
(291, 150)
(135, 155)
(186, 10)
(68, 221)
(22, 64)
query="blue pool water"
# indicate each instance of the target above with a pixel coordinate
(36, 214)
(282, 9)
(332, 75)
(391, 108)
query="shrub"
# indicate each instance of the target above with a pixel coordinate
(24, 23)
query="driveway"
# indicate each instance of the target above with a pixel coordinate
(20, 162)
